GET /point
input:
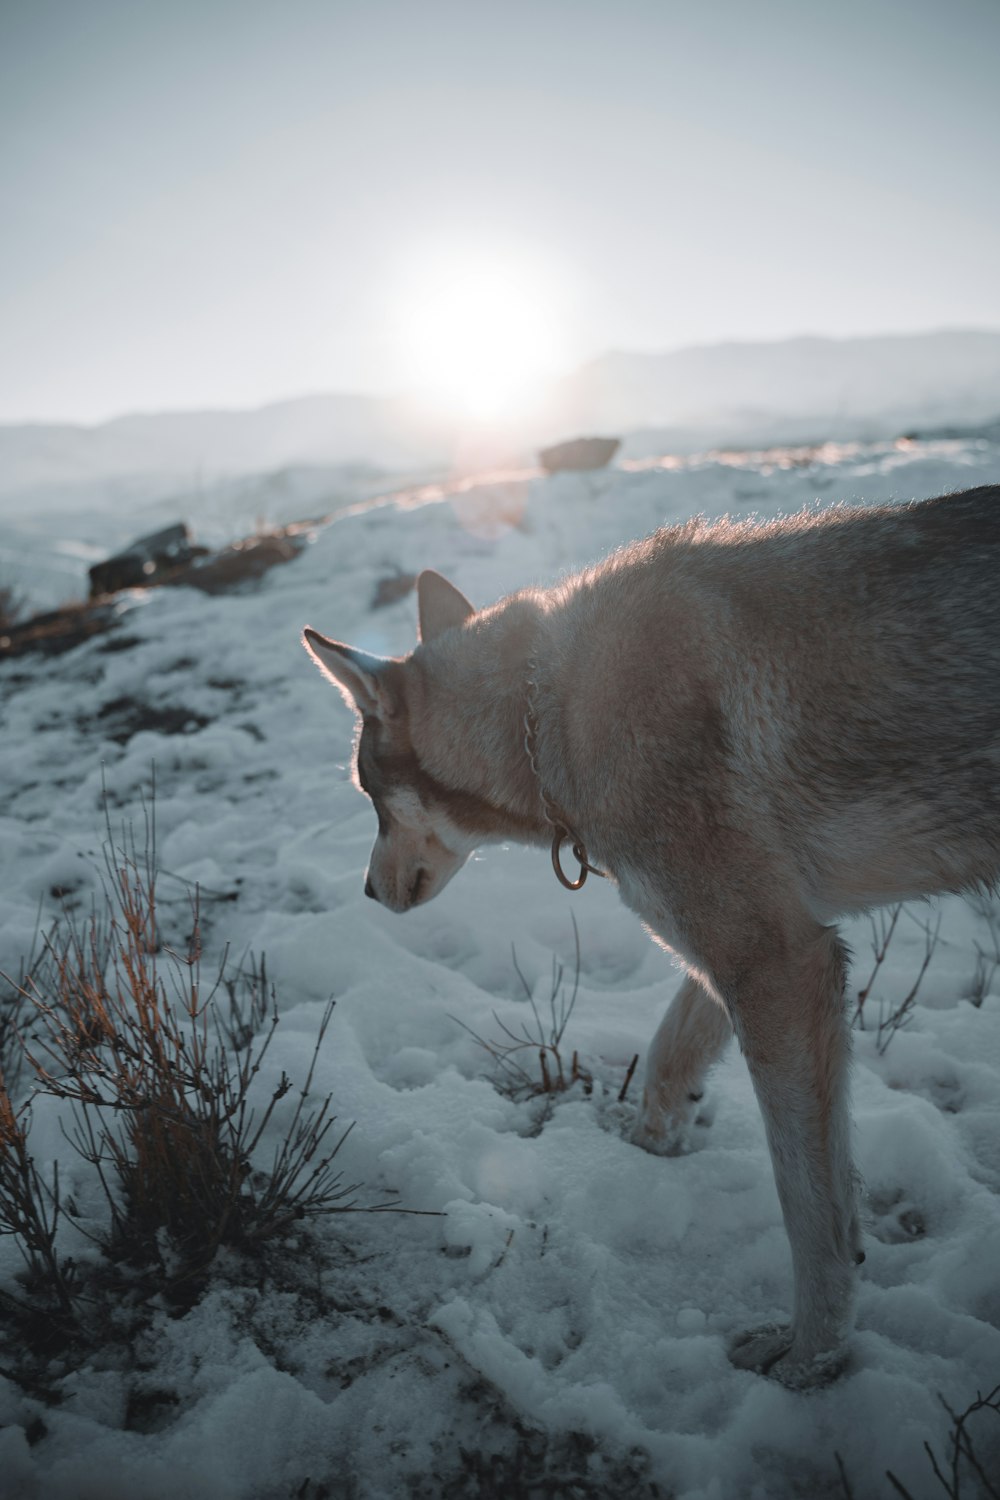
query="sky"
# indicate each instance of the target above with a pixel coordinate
(224, 203)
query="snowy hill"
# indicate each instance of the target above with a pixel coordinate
(809, 388)
(185, 446)
(564, 1321)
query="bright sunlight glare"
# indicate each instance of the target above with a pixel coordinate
(478, 337)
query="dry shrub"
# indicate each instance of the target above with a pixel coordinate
(126, 1030)
(512, 1052)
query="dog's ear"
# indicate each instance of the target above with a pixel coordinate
(440, 605)
(355, 673)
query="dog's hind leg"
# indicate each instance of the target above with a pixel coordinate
(789, 1016)
(689, 1040)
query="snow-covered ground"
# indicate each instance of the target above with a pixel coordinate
(564, 1321)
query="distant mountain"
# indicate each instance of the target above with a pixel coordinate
(187, 448)
(828, 387)
(798, 388)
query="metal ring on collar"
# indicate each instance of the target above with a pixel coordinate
(559, 837)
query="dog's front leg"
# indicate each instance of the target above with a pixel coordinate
(689, 1040)
(789, 1017)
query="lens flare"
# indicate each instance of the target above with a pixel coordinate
(478, 338)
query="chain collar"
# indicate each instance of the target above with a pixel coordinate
(561, 830)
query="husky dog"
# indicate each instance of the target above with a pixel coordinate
(751, 729)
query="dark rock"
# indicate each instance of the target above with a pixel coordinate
(144, 561)
(123, 717)
(243, 562)
(579, 454)
(395, 586)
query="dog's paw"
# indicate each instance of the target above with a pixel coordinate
(760, 1348)
(662, 1137)
(671, 1132)
(770, 1350)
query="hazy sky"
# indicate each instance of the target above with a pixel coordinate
(223, 202)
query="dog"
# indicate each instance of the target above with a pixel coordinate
(752, 730)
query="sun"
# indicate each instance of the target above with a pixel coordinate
(478, 336)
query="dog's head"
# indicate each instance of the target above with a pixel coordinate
(419, 845)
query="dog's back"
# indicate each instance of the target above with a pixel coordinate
(832, 679)
(894, 635)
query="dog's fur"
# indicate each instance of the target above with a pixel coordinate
(753, 728)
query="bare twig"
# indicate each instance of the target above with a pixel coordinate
(503, 1253)
(988, 955)
(844, 1481)
(961, 1447)
(987, 964)
(12, 1006)
(901, 1015)
(544, 1037)
(883, 925)
(30, 1209)
(628, 1079)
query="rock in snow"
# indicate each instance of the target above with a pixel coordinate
(579, 454)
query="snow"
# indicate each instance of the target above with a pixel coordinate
(567, 1307)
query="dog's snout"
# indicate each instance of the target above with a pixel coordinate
(369, 888)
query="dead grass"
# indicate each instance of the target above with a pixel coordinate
(161, 1070)
(515, 1055)
(512, 1053)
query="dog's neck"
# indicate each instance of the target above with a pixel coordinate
(468, 720)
